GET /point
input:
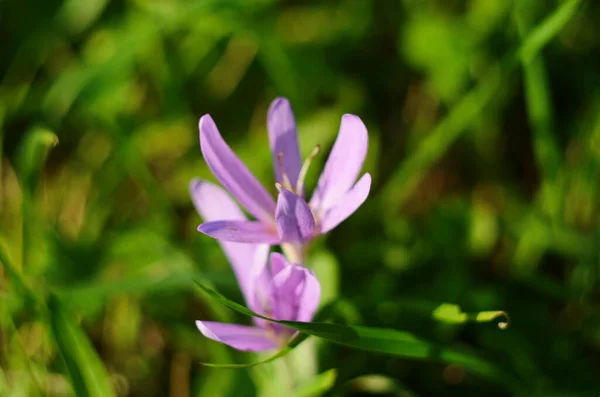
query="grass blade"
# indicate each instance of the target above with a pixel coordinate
(88, 375)
(381, 340)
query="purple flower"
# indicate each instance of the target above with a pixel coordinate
(280, 290)
(291, 219)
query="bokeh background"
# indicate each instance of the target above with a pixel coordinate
(485, 156)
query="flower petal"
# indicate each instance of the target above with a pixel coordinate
(232, 173)
(283, 138)
(343, 165)
(241, 337)
(285, 292)
(311, 295)
(278, 262)
(240, 232)
(248, 261)
(213, 203)
(294, 292)
(295, 221)
(347, 205)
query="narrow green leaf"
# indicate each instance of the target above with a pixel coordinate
(545, 31)
(449, 313)
(539, 109)
(321, 315)
(386, 341)
(323, 330)
(88, 375)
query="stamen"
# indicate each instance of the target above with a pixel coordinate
(304, 169)
(284, 177)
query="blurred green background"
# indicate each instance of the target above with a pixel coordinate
(484, 148)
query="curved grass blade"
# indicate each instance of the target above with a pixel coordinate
(295, 342)
(386, 341)
(88, 376)
(322, 330)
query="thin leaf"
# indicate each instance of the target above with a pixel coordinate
(88, 375)
(323, 314)
(386, 341)
(539, 108)
(323, 330)
(545, 31)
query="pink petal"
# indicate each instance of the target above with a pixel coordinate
(240, 232)
(295, 221)
(278, 262)
(343, 165)
(247, 260)
(309, 300)
(240, 337)
(294, 291)
(347, 205)
(285, 292)
(213, 203)
(232, 173)
(283, 138)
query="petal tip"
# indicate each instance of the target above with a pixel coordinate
(207, 127)
(367, 177)
(277, 102)
(203, 329)
(352, 118)
(203, 120)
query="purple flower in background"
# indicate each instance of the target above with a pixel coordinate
(291, 219)
(280, 290)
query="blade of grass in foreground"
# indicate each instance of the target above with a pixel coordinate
(386, 341)
(323, 330)
(402, 183)
(299, 338)
(88, 376)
